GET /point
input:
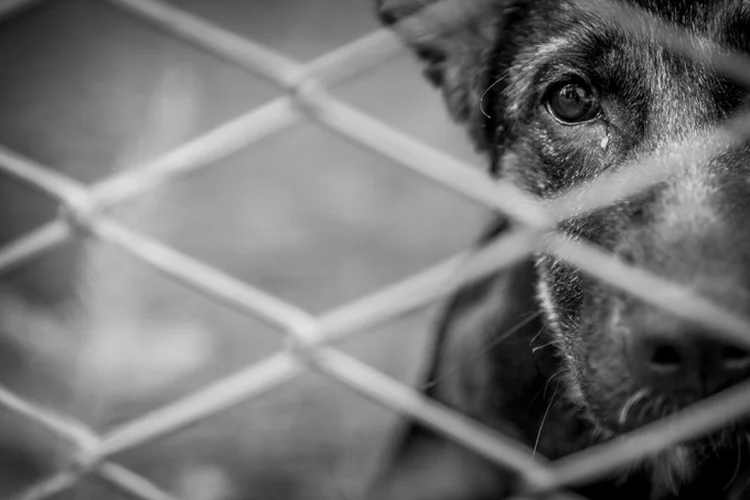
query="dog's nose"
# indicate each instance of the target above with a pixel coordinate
(692, 364)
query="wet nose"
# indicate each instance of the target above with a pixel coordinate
(691, 363)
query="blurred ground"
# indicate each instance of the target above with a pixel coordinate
(303, 214)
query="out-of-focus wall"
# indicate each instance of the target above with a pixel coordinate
(303, 214)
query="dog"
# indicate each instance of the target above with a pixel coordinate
(555, 94)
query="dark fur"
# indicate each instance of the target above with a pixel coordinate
(566, 369)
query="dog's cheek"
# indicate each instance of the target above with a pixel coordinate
(593, 354)
(560, 293)
(573, 153)
(552, 158)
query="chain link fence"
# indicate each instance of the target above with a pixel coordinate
(311, 338)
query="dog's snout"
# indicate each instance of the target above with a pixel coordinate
(692, 231)
(692, 363)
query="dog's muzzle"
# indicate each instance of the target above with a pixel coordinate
(693, 230)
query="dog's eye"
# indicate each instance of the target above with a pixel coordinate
(572, 102)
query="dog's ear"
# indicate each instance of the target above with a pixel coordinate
(454, 39)
(458, 41)
(425, 465)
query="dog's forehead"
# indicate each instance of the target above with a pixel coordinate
(691, 12)
(726, 21)
(585, 28)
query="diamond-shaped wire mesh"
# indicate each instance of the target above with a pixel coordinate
(311, 337)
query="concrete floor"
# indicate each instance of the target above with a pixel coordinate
(303, 214)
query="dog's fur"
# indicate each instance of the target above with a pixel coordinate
(538, 351)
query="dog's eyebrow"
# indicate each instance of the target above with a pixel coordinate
(698, 41)
(594, 13)
(567, 50)
(554, 46)
(624, 19)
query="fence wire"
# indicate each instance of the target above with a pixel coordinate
(312, 338)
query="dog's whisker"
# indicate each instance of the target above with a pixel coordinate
(649, 406)
(541, 330)
(716, 447)
(549, 381)
(747, 474)
(657, 409)
(543, 391)
(550, 343)
(481, 99)
(544, 329)
(513, 330)
(664, 408)
(526, 319)
(737, 466)
(552, 403)
(566, 347)
(630, 402)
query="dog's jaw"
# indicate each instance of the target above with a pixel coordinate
(558, 329)
(670, 469)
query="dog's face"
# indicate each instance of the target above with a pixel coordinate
(559, 95)
(585, 99)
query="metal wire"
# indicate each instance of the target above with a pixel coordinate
(312, 338)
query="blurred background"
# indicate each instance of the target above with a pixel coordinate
(90, 332)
